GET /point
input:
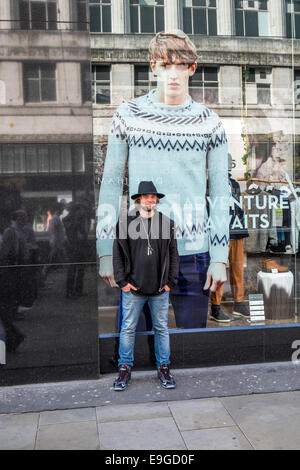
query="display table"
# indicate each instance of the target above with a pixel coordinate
(277, 289)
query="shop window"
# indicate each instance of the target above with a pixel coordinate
(42, 159)
(38, 14)
(251, 18)
(143, 80)
(293, 19)
(39, 82)
(200, 17)
(147, 16)
(258, 86)
(100, 16)
(86, 91)
(204, 85)
(101, 84)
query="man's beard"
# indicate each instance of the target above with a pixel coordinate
(148, 209)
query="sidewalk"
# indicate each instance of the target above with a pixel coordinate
(236, 407)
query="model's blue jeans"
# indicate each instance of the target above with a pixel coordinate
(132, 306)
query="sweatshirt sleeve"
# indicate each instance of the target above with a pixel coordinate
(112, 183)
(217, 165)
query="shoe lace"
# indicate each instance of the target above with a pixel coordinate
(124, 371)
(165, 372)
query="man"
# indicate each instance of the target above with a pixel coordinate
(169, 138)
(145, 261)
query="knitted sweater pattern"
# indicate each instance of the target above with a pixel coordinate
(179, 148)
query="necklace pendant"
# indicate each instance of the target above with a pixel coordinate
(149, 251)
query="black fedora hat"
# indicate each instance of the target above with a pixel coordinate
(147, 187)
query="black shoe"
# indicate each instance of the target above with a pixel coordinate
(240, 310)
(14, 343)
(218, 315)
(164, 376)
(124, 376)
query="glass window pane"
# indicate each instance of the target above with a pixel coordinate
(187, 21)
(52, 16)
(48, 90)
(263, 4)
(106, 18)
(38, 15)
(24, 15)
(197, 94)
(95, 20)
(48, 70)
(211, 94)
(288, 25)
(296, 6)
(263, 94)
(78, 158)
(263, 26)
(239, 23)
(102, 94)
(251, 23)
(20, 162)
(212, 22)
(31, 71)
(32, 91)
(102, 72)
(54, 158)
(211, 74)
(43, 159)
(147, 19)
(66, 159)
(160, 19)
(141, 73)
(7, 159)
(31, 159)
(199, 3)
(199, 22)
(134, 20)
(297, 26)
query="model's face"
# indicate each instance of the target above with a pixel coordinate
(148, 201)
(173, 79)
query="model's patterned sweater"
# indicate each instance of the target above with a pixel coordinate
(179, 148)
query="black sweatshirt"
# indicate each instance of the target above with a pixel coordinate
(130, 255)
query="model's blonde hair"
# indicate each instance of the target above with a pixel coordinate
(172, 45)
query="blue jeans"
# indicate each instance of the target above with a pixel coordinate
(132, 307)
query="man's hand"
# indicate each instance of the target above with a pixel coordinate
(166, 288)
(216, 276)
(128, 288)
(106, 270)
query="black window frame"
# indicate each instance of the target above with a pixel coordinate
(103, 7)
(40, 79)
(190, 13)
(106, 82)
(26, 14)
(201, 82)
(136, 10)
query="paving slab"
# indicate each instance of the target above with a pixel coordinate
(68, 436)
(67, 416)
(228, 438)
(132, 412)
(270, 421)
(197, 414)
(149, 434)
(18, 431)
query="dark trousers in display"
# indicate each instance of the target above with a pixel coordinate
(189, 299)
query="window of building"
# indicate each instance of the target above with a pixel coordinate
(42, 158)
(204, 85)
(297, 86)
(147, 16)
(144, 80)
(293, 18)
(86, 91)
(251, 18)
(79, 15)
(200, 17)
(36, 14)
(101, 84)
(258, 86)
(39, 82)
(100, 16)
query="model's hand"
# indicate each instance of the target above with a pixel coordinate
(216, 276)
(128, 288)
(106, 270)
(167, 288)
